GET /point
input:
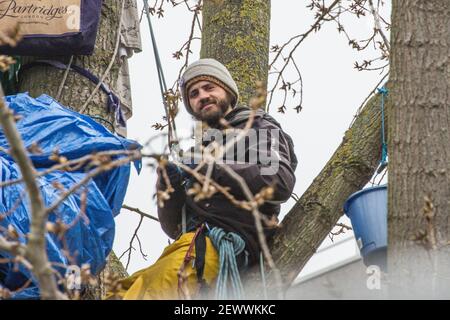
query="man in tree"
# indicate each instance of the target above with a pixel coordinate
(266, 162)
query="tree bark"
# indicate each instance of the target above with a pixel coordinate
(77, 89)
(236, 32)
(419, 150)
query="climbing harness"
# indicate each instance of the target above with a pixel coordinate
(383, 163)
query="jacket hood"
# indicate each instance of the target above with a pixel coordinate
(240, 115)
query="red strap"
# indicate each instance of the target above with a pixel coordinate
(183, 291)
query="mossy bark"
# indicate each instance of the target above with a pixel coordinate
(46, 80)
(419, 150)
(320, 207)
(236, 32)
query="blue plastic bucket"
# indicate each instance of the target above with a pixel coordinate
(367, 210)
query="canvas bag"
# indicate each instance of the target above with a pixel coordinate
(51, 27)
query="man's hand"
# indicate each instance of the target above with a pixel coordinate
(174, 173)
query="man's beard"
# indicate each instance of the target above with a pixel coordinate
(212, 117)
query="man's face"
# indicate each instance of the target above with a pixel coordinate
(209, 101)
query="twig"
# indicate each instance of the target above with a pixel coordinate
(72, 165)
(378, 25)
(13, 247)
(302, 38)
(191, 37)
(131, 242)
(140, 212)
(366, 99)
(342, 230)
(89, 176)
(140, 248)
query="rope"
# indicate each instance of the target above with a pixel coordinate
(263, 274)
(384, 92)
(174, 146)
(162, 81)
(229, 246)
(63, 81)
(104, 120)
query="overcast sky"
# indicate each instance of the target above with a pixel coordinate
(333, 90)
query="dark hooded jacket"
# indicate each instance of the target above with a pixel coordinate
(218, 210)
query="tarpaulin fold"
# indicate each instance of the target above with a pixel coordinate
(89, 240)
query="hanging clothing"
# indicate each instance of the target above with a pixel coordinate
(130, 43)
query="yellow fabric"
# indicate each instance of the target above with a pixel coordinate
(160, 280)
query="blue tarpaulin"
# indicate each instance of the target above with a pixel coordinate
(90, 238)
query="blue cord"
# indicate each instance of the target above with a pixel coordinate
(384, 92)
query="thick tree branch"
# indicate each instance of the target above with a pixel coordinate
(320, 207)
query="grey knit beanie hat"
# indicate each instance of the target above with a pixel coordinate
(211, 70)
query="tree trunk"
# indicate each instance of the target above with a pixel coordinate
(419, 150)
(240, 38)
(236, 32)
(77, 89)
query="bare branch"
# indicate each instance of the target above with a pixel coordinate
(378, 25)
(13, 247)
(36, 249)
(130, 248)
(102, 168)
(140, 212)
(72, 165)
(314, 27)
